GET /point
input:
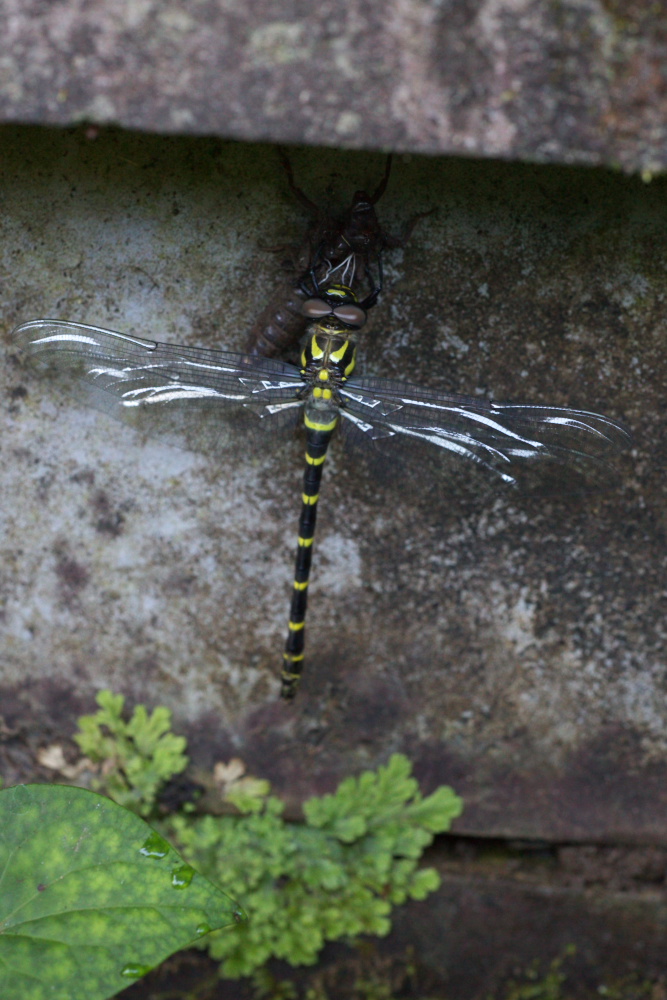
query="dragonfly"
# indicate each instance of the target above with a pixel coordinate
(392, 422)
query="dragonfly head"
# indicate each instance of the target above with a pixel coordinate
(335, 309)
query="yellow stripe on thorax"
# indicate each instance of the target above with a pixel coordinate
(340, 353)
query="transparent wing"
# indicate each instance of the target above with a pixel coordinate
(536, 448)
(165, 388)
(183, 391)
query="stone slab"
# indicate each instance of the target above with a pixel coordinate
(575, 82)
(514, 648)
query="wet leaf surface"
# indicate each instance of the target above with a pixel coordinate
(88, 903)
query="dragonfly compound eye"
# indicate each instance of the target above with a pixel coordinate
(316, 308)
(350, 315)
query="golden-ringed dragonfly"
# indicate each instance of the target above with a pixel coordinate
(173, 384)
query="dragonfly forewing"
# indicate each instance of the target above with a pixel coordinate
(532, 448)
(196, 397)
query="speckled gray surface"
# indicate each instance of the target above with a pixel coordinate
(515, 648)
(578, 81)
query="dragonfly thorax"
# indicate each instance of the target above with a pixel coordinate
(327, 360)
(329, 348)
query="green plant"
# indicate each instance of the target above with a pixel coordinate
(335, 876)
(536, 985)
(136, 757)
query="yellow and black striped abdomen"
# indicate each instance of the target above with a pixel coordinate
(320, 425)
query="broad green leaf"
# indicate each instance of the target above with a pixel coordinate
(91, 898)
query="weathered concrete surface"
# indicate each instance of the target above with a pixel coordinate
(579, 81)
(513, 648)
